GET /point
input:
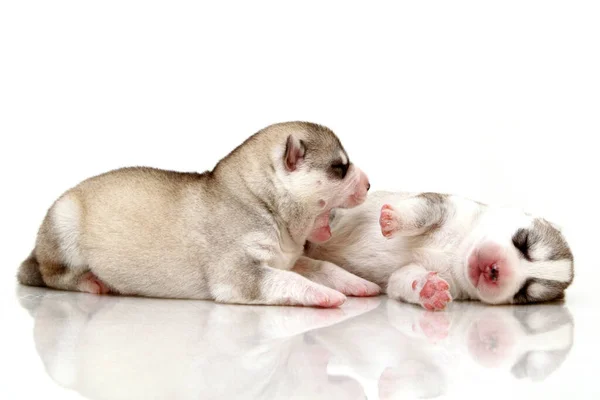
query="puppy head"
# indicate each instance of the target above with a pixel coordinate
(316, 170)
(518, 259)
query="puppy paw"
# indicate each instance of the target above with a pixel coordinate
(90, 283)
(433, 291)
(323, 297)
(388, 220)
(334, 277)
(358, 287)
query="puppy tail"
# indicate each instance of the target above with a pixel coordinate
(29, 272)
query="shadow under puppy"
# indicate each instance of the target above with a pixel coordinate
(428, 248)
(233, 234)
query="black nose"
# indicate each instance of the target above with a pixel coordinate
(368, 186)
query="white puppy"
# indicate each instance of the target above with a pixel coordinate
(428, 248)
(234, 234)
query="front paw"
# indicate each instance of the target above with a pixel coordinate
(433, 291)
(358, 287)
(388, 220)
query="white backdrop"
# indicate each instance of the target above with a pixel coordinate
(495, 101)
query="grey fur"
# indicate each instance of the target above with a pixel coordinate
(29, 272)
(555, 290)
(551, 238)
(232, 234)
(433, 213)
(452, 236)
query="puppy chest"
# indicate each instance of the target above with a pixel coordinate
(285, 259)
(270, 251)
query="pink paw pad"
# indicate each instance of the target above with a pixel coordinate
(435, 294)
(388, 221)
(90, 283)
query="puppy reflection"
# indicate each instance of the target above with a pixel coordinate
(400, 351)
(130, 348)
(531, 341)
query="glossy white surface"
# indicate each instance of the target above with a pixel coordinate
(73, 344)
(496, 101)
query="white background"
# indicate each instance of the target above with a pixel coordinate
(498, 101)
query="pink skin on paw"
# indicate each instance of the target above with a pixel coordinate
(330, 299)
(90, 283)
(435, 294)
(366, 289)
(388, 221)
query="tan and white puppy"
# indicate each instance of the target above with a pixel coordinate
(428, 248)
(234, 234)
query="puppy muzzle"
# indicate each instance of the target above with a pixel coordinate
(360, 187)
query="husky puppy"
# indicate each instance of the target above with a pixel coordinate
(429, 248)
(233, 234)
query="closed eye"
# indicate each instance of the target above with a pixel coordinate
(339, 170)
(521, 242)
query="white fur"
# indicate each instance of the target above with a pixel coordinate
(297, 289)
(335, 277)
(223, 292)
(536, 289)
(408, 256)
(555, 270)
(540, 252)
(400, 284)
(263, 248)
(66, 216)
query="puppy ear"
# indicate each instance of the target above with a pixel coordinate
(294, 153)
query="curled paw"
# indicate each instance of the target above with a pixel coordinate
(434, 292)
(388, 220)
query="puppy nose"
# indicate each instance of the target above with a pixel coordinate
(368, 186)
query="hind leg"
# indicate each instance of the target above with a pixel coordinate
(90, 283)
(58, 276)
(62, 262)
(413, 216)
